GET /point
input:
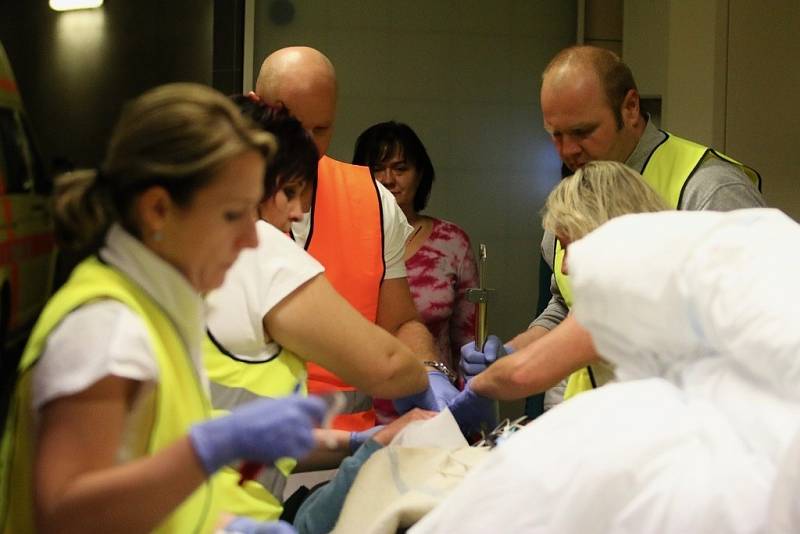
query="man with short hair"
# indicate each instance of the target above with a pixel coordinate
(354, 228)
(590, 107)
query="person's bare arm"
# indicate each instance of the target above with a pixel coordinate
(527, 337)
(538, 366)
(319, 325)
(78, 484)
(333, 446)
(321, 509)
(398, 316)
(386, 434)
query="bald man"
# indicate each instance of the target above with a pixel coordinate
(354, 228)
(590, 106)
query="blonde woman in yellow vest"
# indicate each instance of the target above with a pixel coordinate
(597, 192)
(277, 311)
(108, 425)
(591, 110)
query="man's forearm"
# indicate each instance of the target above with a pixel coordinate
(333, 446)
(398, 315)
(419, 339)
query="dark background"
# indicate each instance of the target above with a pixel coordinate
(75, 70)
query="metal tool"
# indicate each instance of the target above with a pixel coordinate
(502, 432)
(480, 296)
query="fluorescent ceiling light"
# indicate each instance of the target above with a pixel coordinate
(68, 5)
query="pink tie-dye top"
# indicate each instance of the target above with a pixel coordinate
(439, 274)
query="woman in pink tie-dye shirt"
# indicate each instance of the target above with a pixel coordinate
(439, 258)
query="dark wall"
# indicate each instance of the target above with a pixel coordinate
(228, 45)
(76, 69)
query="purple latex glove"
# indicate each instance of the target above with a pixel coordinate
(357, 439)
(245, 525)
(474, 361)
(261, 431)
(473, 412)
(436, 398)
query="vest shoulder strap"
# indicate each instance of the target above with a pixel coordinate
(670, 165)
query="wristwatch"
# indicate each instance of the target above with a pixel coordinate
(442, 368)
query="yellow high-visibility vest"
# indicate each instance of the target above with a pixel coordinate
(180, 400)
(235, 381)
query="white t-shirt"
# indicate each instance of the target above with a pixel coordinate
(260, 279)
(395, 233)
(113, 341)
(105, 337)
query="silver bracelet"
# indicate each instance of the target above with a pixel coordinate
(442, 368)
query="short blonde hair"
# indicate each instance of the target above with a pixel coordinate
(597, 192)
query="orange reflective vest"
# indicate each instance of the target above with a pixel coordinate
(346, 236)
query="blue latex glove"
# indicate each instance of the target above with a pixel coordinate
(245, 525)
(474, 361)
(439, 393)
(443, 390)
(262, 431)
(357, 439)
(473, 412)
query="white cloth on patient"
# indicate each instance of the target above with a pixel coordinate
(405, 480)
(784, 509)
(709, 301)
(697, 311)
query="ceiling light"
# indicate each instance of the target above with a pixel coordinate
(69, 5)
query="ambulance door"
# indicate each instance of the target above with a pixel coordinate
(27, 252)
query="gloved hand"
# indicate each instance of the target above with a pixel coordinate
(440, 391)
(443, 390)
(474, 361)
(357, 439)
(262, 431)
(473, 412)
(245, 525)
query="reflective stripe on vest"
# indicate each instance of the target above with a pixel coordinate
(346, 236)
(227, 398)
(667, 171)
(235, 381)
(179, 400)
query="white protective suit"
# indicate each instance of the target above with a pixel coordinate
(698, 311)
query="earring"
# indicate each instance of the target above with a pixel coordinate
(158, 236)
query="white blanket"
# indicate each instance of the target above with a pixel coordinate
(698, 312)
(405, 480)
